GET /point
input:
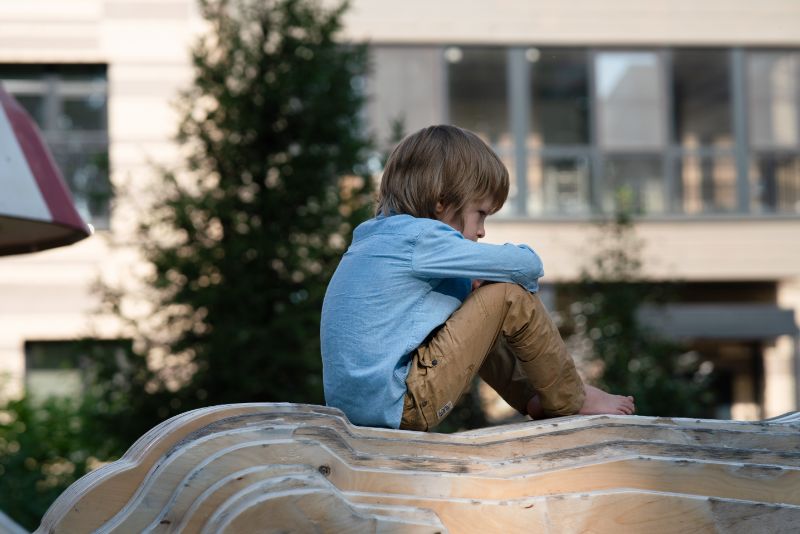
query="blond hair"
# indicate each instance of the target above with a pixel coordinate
(443, 164)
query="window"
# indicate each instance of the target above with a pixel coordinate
(701, 98)
(775, 183)
(633, 183)
(559, 170)
(560, 95)
(685, 131)
(478, 92)
(631, 130)
(478, 100)
(703, 139)
(565, 185)
(69, 104)
(58, 368)
(405, 84)
(773, 79)
(706, 184)
(630, 101)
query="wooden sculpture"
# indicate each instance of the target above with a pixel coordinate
(301, 468)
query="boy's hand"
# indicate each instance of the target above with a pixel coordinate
(477, 283)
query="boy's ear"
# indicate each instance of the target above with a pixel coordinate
(439, 210)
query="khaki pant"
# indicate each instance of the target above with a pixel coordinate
(503, 333)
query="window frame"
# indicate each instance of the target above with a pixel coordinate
(672, 154)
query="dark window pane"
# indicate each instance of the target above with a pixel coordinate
(630, 100)
(81, 73)
(633, 183)
(83, 113)
(22, 72)
(560, 97)
(478, 101)
(34, 105)
(707, 184)
(775, 184)
(477, 89)
(57, 368)
(559, 186)
(52, 369)
(772, 80)
(701, 95)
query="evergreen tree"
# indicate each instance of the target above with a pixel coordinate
(243, 242)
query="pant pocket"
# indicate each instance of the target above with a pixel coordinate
(412, 419)
(419, 388)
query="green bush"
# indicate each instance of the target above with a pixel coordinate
(44, 447)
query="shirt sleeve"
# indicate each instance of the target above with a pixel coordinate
(442, 252)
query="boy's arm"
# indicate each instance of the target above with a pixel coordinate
(442, 252)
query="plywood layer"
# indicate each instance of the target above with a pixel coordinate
(298, 468)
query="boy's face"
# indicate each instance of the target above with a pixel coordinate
(470, 221)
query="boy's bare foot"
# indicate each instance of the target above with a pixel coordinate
(597, 402)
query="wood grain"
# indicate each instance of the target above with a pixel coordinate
(298, 468)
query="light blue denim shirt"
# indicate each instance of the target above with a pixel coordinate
(400, 279)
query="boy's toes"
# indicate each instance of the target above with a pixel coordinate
(626, 408)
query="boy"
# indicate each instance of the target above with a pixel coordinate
(410, 315)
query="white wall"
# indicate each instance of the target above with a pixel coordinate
(577, 22)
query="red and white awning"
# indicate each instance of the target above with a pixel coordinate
(36, 209)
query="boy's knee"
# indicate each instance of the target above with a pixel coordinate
(500, 290)
(505, 292)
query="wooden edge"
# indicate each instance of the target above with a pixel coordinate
(136, 462)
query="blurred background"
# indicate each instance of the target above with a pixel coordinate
(225, 150)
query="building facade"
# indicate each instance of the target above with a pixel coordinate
(691, 108)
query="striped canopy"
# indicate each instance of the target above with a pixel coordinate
(36, 209)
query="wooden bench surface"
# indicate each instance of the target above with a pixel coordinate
(298, 468)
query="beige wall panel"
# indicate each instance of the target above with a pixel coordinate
(50, 326)
(16, 300)
(141, 119)
(36, 11)
(153, 9)
(131, 156)
(75, 264)
(703, 250)
(155, 79)
(146, 41)
(657, 22)
(789, 290)
(50, 31)
(49, 42)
